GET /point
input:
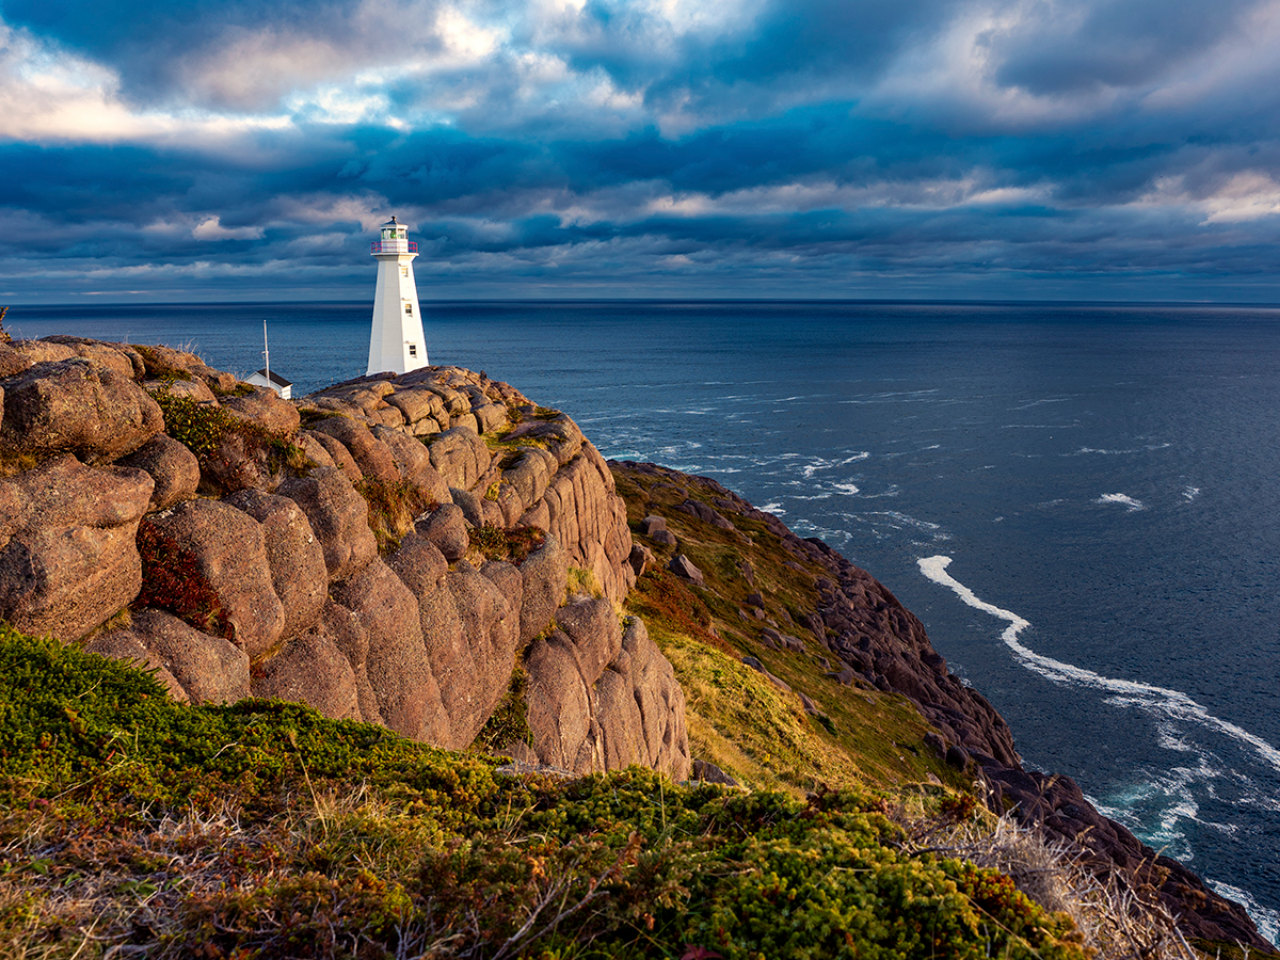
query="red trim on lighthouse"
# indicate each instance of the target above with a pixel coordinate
(393, 246)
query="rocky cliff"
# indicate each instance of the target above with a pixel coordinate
(811, 620)
(432, 552)
(387, 550)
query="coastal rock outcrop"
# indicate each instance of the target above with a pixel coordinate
(415, 550)
(77, 405)
(69, 558)
(387, 550)
(173, 468)
(206, 562)
(842, 617)
(208, 669)
(603, 699)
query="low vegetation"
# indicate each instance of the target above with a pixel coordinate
(509, 722)
(737, 718)
(263, 829)
(393, 505)
(514, 546)
(582, 583)
(204, 428)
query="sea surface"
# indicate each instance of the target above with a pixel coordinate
(1080, 501)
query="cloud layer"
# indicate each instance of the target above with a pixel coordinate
(240, 149)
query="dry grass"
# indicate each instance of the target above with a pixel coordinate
(582, 583)
(746, 726)
(1115, 922)
(14, 463)
(141, 886)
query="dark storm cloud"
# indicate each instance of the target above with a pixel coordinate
(1118, 43)
(709, 149)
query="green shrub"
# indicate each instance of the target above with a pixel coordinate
(263, 829)
(98, 729)
(202, 428)
(393, 505)
(198, 426)
(514, 546)
(509, 722)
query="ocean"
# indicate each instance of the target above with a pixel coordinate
(1080, 501)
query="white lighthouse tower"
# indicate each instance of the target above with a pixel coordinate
(396, 343)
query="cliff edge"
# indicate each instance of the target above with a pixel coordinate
(437, 554)
(384, 551)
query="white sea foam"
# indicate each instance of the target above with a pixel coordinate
(1122, 498)
(775, 508)
(898, 521)
(1190, 492)
(1036, 403)
(1168, 707)
(1268, 921)
(821, 463)
(1119, 453)
(893, 490)
(849, 489)
(899, 396)
(1159, 701)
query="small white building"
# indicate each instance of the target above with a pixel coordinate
(396, 343)
(283, 387)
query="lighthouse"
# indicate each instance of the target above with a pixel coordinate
(396, 343)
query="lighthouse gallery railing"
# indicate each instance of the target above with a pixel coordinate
(393, 246)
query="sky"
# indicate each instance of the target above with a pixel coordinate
(914, 149)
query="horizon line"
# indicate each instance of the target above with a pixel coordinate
(45, 306)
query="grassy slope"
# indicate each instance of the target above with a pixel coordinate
(737, 718)
(264, 830)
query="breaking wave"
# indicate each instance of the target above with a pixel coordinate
(1158, 701)
(1119, 453)
(1122, 498)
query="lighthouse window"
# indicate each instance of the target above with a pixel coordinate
(404, 271)
(413, 349)
(408, 309)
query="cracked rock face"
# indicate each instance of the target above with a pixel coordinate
(69, 558)
(600, 699)
(245, 573)
(78, 406)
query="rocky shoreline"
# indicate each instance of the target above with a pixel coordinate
(403, 549)
(880, 644)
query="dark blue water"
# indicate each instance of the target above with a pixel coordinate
(1104, 480)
